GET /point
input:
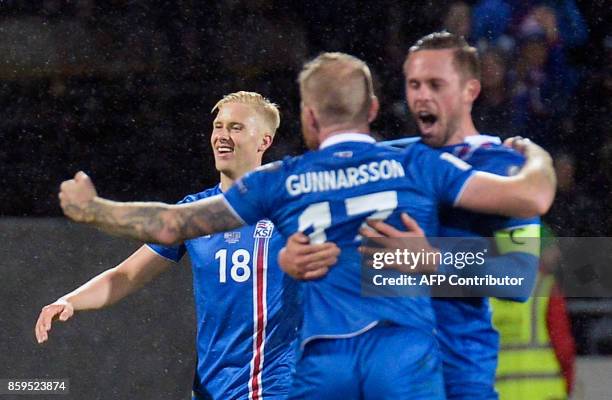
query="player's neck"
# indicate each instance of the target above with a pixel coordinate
(226, 182)
(466, 129)
(333, 130)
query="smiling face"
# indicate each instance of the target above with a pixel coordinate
(239, 139)
(436, 95)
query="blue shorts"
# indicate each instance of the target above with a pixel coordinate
(471, 391)
(386, 362)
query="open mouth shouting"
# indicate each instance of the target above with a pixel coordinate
(426, 121)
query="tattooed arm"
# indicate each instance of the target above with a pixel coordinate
(163, 223)
(148, 222)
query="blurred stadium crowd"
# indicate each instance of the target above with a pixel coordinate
(123, 89)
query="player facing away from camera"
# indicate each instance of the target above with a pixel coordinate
(247, 310)
(442, 75)
(363, 347)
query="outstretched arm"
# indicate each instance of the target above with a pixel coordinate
(103, 290)
(527, 194)
(148, 222)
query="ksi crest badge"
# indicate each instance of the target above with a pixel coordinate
(263, 229)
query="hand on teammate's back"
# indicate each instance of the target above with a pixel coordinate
(76, 196)
(304, 261)
(543, 175)
(524, 146)
(390, 239)
(60, 310)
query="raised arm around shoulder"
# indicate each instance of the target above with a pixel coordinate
(163, 223)
(527, 194)
(148, 222)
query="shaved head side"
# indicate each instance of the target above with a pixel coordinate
(339, 86)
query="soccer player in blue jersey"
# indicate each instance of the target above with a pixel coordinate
(356, 346)
(442, 81)
(246, 308)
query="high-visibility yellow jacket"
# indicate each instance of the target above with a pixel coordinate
(528, 367)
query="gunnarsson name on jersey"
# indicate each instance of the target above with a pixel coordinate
(310, 182)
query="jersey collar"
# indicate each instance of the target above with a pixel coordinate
(479, 140)
(346, 137)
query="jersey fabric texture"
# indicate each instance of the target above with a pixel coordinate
(328, 194)
(468, 341)
(247, 311)
(384, 363)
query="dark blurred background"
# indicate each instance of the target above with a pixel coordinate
(123, 90)
(141, 348)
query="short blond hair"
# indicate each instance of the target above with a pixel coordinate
(262, 105)
(339, 85)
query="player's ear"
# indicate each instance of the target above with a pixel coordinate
(311, 119)
(373, 111)
(266, 142)
(472, 90)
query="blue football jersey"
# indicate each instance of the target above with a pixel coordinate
(469, 343)
(247, 311)
(468, 339)
(328, 194)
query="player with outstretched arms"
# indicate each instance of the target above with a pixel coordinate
(363, 347)
(247, 310)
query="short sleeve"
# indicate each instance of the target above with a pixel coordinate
(176, 252)
(450, 176)
(172, 253)
(251, 196)
(498, 161)
(506, 162)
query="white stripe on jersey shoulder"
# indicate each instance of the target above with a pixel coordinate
(474, 142)
(460, 193)
(152, 250)
(340, 336)
(456, 161)
(479, 140)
